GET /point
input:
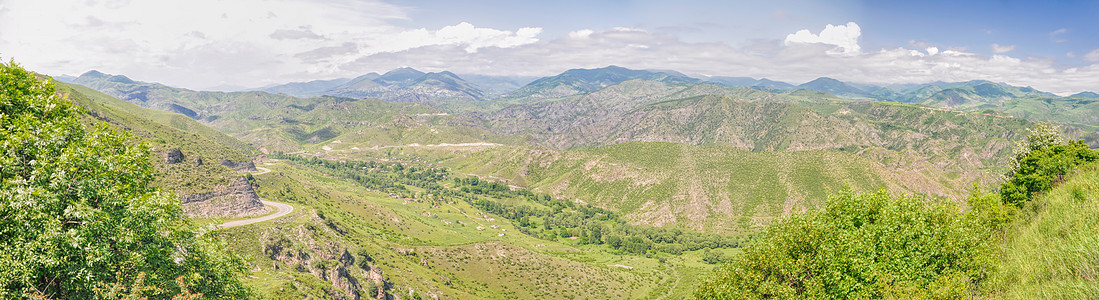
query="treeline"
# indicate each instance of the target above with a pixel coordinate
(539, 215)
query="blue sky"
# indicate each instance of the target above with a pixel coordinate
(1036, 28)
(204, 43)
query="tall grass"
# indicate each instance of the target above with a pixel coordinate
(1052, 249)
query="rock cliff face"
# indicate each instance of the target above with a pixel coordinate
(238, 199)
(240, 166)
(173, 156)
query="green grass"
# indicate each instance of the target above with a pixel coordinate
(422, 253)
(164, 131)
(709, 188)
(1051, 250)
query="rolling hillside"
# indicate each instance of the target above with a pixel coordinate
(197, 163)
(697, 188)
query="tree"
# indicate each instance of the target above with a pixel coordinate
(78, 219)
(1040, 160)
(712, 257)
(1042, 136)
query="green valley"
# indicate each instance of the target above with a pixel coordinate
(603, 183)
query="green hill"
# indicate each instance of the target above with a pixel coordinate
(1070, 110)
(1050, 251)
(835, 87)
(907, 137)
(277, 122)
(978, 92)
(197, 163)
(697, 188)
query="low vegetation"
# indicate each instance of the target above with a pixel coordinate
(540, 216)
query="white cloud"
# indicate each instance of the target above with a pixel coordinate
(997, 48)
(845, 37)
(1092, 56)
(475, 38)
(260, 42)
(203, 43)
(1055, 35)
(581, 34)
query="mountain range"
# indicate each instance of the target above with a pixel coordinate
(604, 108)
(451, 92)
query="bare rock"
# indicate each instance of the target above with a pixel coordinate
(236, 200)
(240, 166)
(173, 156)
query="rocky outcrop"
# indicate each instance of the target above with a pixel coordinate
(173, 156)
(238, 199)
(240, 166)
(310, 249)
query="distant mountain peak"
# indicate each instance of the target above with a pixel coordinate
(835, 87)
(403, 71)
(443, 73)
(1086, 94)
(576, 81)
(94, 74)
(400, 76)
(825, 80)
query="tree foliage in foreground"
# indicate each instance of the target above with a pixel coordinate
(1040, 161)
(869, 245)
(78, 219)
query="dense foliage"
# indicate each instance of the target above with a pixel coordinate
(860, 246)
(78, 219)
(1040, 161)
(536, 215)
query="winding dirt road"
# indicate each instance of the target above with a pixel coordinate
(262, 170)
(282, 209)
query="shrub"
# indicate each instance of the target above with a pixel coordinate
(1040, 168)
(861, 246)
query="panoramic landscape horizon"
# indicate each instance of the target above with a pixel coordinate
(393, 149)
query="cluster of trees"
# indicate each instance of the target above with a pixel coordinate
(1041, 160)
(78, 218)
(540, 216)
(875, 245)
(383, 177)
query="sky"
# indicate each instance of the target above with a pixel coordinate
(215, 44)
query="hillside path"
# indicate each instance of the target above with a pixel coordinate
(262, 170)
(281, 209)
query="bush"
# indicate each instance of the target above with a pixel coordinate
(1040, 168)
(861, 246)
